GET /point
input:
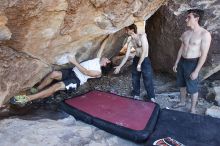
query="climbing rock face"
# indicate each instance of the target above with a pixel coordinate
(165, 27)
(47, 31)
(18, 71)
(50, 29)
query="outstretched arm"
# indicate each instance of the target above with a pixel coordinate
(91, 73)
(118, 68)
(99, 54)
(205, 44)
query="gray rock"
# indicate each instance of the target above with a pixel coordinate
(214, 111)
(44, 129)
(217, 94)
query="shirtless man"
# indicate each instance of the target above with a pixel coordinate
(67, 79)
(191, 57)
(141, 63)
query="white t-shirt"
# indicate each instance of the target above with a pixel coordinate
(93, 64)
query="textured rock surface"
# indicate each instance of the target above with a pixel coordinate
(213, 111)
(217, 94)
(46, 127)
(18, 71)
(166, 26)
(49, 30)
(215, 91)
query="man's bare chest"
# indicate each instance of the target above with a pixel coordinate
(192, 39)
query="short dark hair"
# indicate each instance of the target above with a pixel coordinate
(196, 13)
(106, 69)
(134, 27)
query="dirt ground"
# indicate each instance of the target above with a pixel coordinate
(166, 91)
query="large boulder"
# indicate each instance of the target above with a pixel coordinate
(47, 31)
(166, 26)
(18, 72)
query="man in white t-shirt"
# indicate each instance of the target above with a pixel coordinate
(68, 79)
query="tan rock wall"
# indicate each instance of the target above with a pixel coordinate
(18, 71)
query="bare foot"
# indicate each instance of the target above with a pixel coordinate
(179, 104)
(193, 111)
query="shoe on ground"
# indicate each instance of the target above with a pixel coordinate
(178, 105)
(137, 97)
(168, 141)
(19, 100)
(33, 90)
(153, 100)
(148, 99)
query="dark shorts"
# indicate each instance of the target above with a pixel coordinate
(184, 70)
(70, 79)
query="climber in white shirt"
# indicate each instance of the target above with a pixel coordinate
(68, 79)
